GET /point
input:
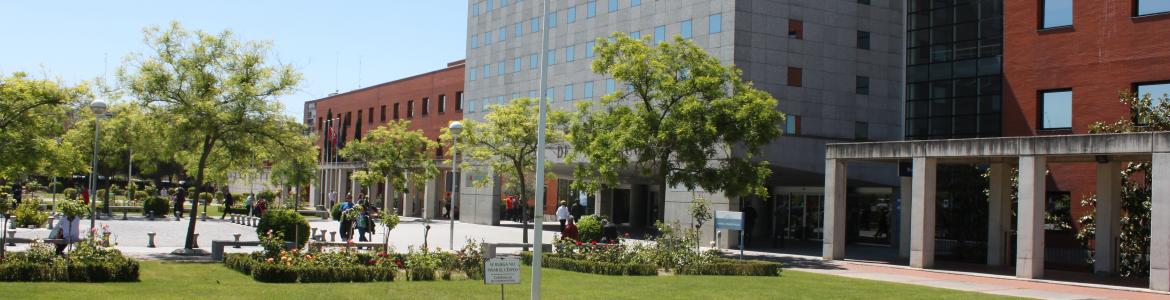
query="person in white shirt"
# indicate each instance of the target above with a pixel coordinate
(68, 229)
(563, 214)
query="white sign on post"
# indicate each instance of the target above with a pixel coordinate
(501, 270)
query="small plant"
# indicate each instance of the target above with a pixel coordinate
(288, 223)
(72, 208)
(28, 213)
(70, 193)
(140, 196)
(155, 206)
(589, 228)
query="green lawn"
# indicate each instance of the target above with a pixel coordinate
(214, 281)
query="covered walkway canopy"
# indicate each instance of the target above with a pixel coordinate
(1031, 154)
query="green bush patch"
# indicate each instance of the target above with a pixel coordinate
(261, 271)
(87, 263)
(584, 266)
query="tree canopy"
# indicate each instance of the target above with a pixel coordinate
(33, 114)
(396, 153)
(506, 143)
(682, 119)
(217, 95)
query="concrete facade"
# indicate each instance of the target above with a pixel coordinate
(1032, 154)
(765, 38)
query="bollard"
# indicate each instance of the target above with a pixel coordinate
(332, 236)
(11, 235)
(237, 235)
(150, 242)
(312, 233)
(255, 221)
(195, 241)
(51, 219)
(323, 232)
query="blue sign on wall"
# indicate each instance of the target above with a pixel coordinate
(731, 220)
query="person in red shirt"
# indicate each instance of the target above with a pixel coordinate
(85, 196)
(570, 231)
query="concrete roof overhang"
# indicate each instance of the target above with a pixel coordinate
(1062, 148)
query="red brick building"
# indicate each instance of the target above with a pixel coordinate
(430, 101)
(1087, 53)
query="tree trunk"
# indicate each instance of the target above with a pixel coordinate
(208, 143)
(523, 202)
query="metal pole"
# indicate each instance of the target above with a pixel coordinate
(540, 144)
(93, 177)
(454, 194)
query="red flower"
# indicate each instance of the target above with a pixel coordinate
(371, 262)
(627, 234)
(578, 243)
(593, 242)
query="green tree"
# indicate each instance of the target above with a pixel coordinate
(683, 119)
(505, 142)
(217, 95)
(296, 166)
(33, 114)
(1148, 113)
(395, 153)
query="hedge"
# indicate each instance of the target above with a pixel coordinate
(272, 273)
(120, 271)
(583, 266)
(734, 267)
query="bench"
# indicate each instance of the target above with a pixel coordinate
(218, 245)
(489, 249)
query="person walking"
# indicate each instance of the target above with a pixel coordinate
(228, 201)
(362, 221)
(180, 197)
(261, 208)
(250, 203)
(346, 222)
(563, 214)
(570, 231)
(17, 192)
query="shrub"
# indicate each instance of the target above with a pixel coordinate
(205, 196)
(251, 265)
(87, 263)
(150, 189)
(72, 208)
(156, 205)
(5, 205)
(219, 196)
(266, 195)
(725, 266)
(101, 195)
(287, 222)
(593, 267)
(140, 196)
(28, 213)
(70, 193)
(336, 211)
(589, 228)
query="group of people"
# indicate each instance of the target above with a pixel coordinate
(363, 220)
(609, 231)
(256, 207)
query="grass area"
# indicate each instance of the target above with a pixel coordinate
(183, 281)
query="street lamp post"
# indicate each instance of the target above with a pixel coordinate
(538, 242)
(455, 128)
(99, 108)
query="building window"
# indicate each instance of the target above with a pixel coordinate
(442, 103)
(471, 106)
(590, 9)
(501, 68)
(863, 40)
(569, 92)
(588, 90)
(1158, 92)
(637, 35)
(489, 5)
(635, 3)
(610, 86)
(487, 71)
(502, 34)
(487, 38)
(550, 94)
(794, 77)
(458, 101)
(796, 29)
(475, 9)
(472, 74)
(426, 106)
(571, 15)
(474, 41)
(534, 24)
(792, 125)
(571, 53)
(589, 48)
(715, 23)
(1058, 207)
(382, 115)
(1056, 13)
(516, 65)
(860, 131)
(410, 109)
(395, 111)
(862, 85)
(533, 61)
(659, 34)
(684, 29)
(500, 100)
(552, 20)
(1056, 109)
(1151, 7)
(370, 116)
(551, 56)
(518, 30)
(613, 5)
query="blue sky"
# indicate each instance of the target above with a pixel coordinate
(325, 40)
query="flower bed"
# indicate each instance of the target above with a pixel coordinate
(86, 263)
(275, 264)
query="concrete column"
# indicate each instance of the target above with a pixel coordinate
(434, 194)
(428, 208)
(922, 213)
(1030, 231)
(354, 187)
(907, 193)
(597, 196)
(312, 194)
(1108, 217)
(1160, 224)
(834, 227)
(999, 213)
(340, 185)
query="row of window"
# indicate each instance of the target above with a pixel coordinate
(590, 7)
(714, 25)
(1059, 13)
(796, 79)
(395, 113)
(1056, 106)
(569, 91)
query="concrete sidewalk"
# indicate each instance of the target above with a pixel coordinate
(964, 281)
